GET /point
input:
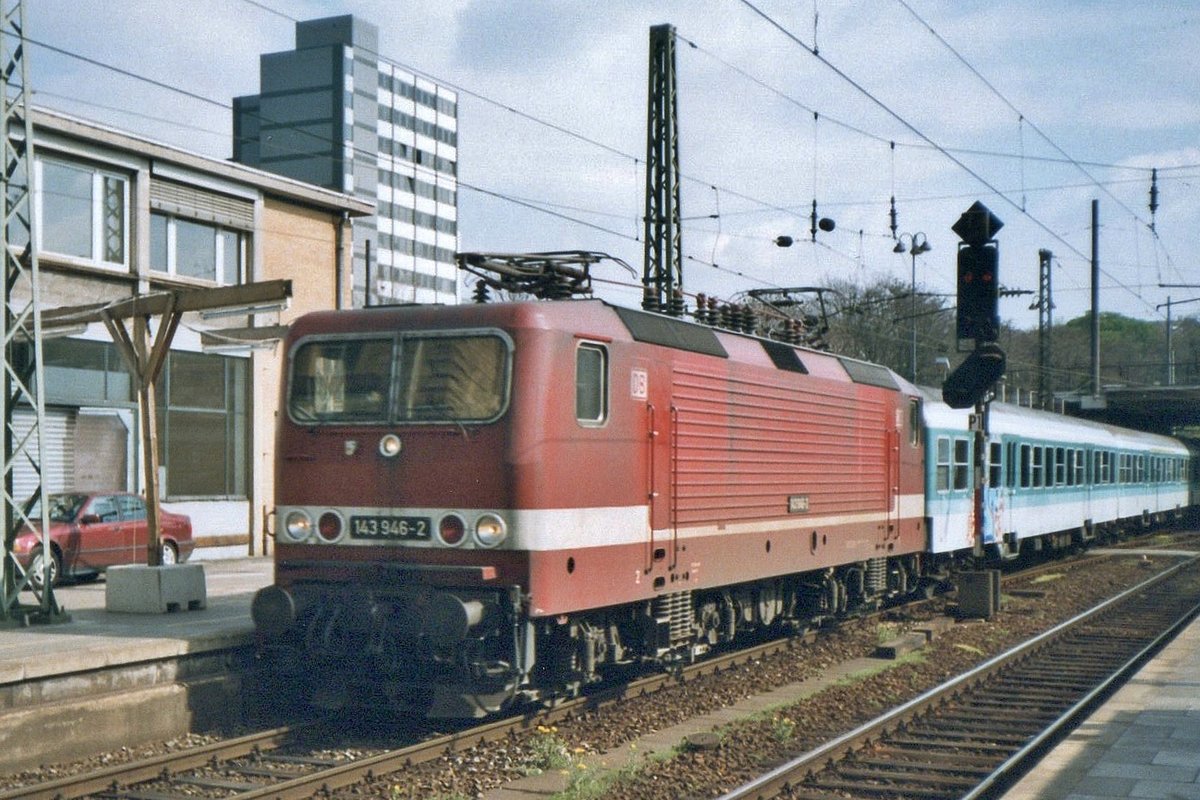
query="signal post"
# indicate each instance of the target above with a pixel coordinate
(977, 321)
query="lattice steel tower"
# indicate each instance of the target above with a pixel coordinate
(662, 277)
(21, 331)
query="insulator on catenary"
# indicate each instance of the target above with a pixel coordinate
(481, 293)
(676, 306)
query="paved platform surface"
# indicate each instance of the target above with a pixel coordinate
(95, 638)
(1143, 743)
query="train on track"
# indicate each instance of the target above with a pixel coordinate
(489, 503)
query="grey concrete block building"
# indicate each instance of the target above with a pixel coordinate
(335, 113)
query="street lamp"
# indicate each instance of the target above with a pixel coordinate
(917, 244)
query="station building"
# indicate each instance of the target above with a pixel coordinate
(335, 113)
(119, 215)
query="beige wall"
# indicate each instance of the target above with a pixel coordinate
(299, 245)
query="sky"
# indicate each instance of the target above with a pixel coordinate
(1034, 108)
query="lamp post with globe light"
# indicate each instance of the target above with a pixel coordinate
(917, 244)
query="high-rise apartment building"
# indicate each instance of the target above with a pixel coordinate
(334, 113)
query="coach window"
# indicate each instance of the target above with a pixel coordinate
(995, 466)
(962, 462)
(591, 384)
(1026, 467)
(1038, 467)
(943, 464)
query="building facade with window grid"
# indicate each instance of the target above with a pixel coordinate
(334, 113)
(117, 215)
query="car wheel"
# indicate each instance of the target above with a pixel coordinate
(169, 554)
(37, 569)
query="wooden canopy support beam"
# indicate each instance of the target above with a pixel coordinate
(145, 356)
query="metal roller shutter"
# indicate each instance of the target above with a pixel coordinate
(194, 203)
(58, 470)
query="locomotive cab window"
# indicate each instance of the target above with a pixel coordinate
(591, 384)
(340, 380)
(431, 378)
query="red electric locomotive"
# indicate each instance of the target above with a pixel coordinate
(482, 503)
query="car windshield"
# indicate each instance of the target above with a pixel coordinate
(63, 507)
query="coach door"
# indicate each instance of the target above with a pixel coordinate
(995, 501)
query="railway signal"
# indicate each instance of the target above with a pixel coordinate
(978, 274)
(978, 316)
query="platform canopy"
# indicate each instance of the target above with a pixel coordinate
(1159, 409)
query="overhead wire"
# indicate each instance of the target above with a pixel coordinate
(566, 131)
(788, 34)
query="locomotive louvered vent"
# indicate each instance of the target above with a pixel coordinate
(194, 203)
(653, 329)
(870, 374)
(677, 611)
(784, 356)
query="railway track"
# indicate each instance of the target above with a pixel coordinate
(970, 737)
(278, 764)
(263, 764)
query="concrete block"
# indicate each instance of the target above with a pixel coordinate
(931, 629)
(139, 589)
(901, 646)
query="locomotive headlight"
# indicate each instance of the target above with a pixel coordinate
(389, 445)
(490, 530)
(297, 525)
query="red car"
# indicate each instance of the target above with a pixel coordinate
(91, 532)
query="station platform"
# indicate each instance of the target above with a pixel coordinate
(94, 638)
(69, 689)
(1144, 742)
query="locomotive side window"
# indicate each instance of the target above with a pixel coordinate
(914, 422)
(341, 380)
(591, 384)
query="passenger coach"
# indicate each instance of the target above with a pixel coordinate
(1050, 479)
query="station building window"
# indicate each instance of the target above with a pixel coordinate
(203, 415)
(190, 249)
(83, 213)
(203, 425)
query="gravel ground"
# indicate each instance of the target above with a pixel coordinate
(751, 747)
(747, 748)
